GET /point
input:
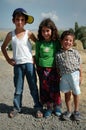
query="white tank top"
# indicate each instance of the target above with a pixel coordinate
(22, 49)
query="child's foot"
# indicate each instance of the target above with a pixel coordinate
(39, 114)
(66, 115)
(57, 111)
(13, 113)
(48, 113)
(76, 116)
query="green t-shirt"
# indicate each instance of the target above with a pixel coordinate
(45, 53)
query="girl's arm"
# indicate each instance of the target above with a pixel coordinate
(37, 53)
(4, 50)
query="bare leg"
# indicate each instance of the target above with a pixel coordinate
(76, 113)
(68, 101)
(67, 114)
(76, 102)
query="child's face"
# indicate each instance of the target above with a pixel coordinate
(19, 21)
(46, 33)
(67, 42)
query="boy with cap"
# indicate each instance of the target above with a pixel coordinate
(22, 60)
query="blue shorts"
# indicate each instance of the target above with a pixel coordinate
(70, 82)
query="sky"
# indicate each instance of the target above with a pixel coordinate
(63, 12)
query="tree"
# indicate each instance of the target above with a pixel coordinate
(80, 34)
(76, 26)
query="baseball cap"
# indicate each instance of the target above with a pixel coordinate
(30, 18)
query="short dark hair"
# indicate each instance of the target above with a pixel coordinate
(65, 33)
(20, 14)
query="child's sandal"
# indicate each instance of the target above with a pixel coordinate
(39, 114)
(13, 113)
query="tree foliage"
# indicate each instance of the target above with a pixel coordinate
(80, 33)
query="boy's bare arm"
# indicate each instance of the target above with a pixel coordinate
(4, 50)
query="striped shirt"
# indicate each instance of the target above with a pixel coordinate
(68, 61)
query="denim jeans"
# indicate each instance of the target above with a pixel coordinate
(20, 71)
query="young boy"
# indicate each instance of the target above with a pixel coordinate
(69, 62)
(22, 60)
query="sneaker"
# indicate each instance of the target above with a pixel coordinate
(57, 111)
(13, 113)
(48, 113)
(66, 115)
(76, 116)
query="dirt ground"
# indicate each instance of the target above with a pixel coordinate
(27, 120)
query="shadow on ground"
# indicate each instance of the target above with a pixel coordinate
(4, 108)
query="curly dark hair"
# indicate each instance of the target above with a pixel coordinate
(65, 33)
(51, 25)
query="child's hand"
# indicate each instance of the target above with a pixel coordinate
(11, 61)
(34, 59)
